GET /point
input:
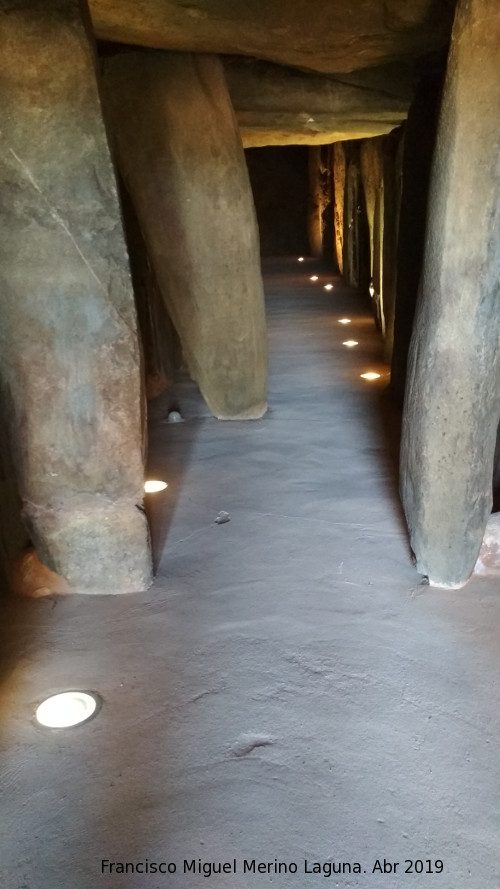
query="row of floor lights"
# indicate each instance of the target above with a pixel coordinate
(71, 708)
(369, 375)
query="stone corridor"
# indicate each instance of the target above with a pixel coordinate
(286, 690)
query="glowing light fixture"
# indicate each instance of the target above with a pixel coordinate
(313, 278)
(371, 290)
(371, 375)
(67, 709)
(344, 320)
(153, 485)
(350, 343)
(328, 286)
(301, 259)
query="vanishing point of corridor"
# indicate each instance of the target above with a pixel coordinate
(287, 691)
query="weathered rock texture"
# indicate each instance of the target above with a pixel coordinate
(278, 105)
(331, 37)
(452, 401)
(381, 176)
(160, 344)
(317, 202)
(419, 142)
(488, 562)
(372, 175)
(69, 355)
(339, 174)
(29, 577)
(14, 537)
(183, 164)
(392, 186)
(356, 238)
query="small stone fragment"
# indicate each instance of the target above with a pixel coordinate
(222, 518)
(174, 417)
(488, 562)
(28, 576)
(248, 742)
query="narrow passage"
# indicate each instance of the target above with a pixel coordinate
(287, 691)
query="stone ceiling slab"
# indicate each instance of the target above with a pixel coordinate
(332, 36)
(275, 105)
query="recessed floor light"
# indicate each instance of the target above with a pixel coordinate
(344, 321)
(67, 709)
(371, 375)
(350, 343)
(313, 278)
(154, 485)
(328, 286)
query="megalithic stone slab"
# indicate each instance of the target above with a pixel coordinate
(339, 187)
(419, 143)
(316, 199)
(452, 402)
(181, 158)
(69, 353)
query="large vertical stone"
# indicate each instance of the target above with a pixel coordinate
(320, 221)
(339, 185)
(350, 240)
(381, 175)
(69, 355)
(160, 344)
(419, 143)
(371, 175)
(315, 209)
(452, 403)
(181, 157)
(392, 178)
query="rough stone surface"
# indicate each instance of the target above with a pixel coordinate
(392, 182)
(278, 105)
(316, 204)
(371, 175)
(68, 340)
(332, 37)
(29, 577)
(14, 536)
(452, 404)
(419, 142)
(356, 238)
(381, 177)
(191, 191)
(488, 562)
(160, 344)
(339, 177)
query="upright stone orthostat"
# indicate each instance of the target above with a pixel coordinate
(452, 403)
(316, 198)
(419, 143)
(181, 157)
(339, 188)
(69, 354)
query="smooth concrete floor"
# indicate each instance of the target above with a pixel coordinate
(287, 690)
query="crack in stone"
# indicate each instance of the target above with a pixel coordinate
(56, 216)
